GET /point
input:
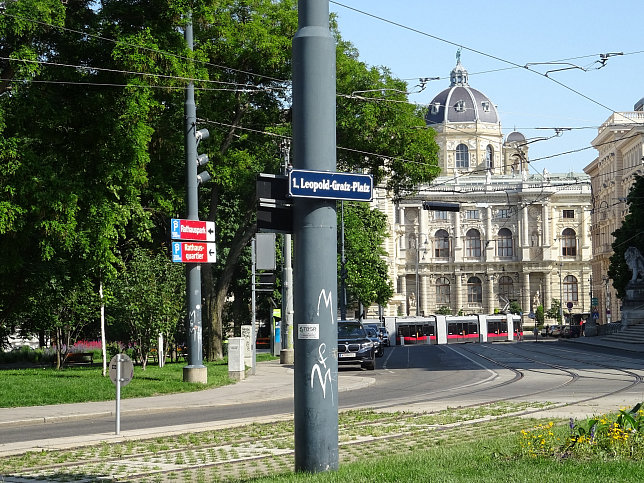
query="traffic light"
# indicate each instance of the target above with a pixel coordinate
(202, 159)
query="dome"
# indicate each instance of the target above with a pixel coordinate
(639, 105)
(460, 102)
(515, 137)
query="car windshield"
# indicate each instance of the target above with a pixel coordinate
(371, 333)
(350, 331)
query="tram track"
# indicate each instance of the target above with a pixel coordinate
(636, 378)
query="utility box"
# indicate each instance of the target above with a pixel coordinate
(247, 336)
(236, 365)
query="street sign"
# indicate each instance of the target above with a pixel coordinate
(192, 230)
(531, 315)
(194, 252)
(594, 301)
(127, 369)
(330, 185)
(569, 305)
(595, 315)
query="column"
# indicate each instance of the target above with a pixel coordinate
(525, 286)
(545, 222)
(459, 293)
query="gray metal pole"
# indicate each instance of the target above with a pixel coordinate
(343, 274)
(253, 304)
(315, 231)
(287, 354)
(195, 371)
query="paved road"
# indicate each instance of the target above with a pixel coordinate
(587, 379)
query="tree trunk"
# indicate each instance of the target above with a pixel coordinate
(216, 292)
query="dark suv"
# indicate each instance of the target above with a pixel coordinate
(354, 347)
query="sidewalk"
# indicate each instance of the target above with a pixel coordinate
(271, 381)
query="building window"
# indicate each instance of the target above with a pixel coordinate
(503, 213)
(441, 244)
(474, 291)
(462, 156)
(506, 288)
(473, 244)
(486, 106)
(472, 214)
(459, 106)
(568, 213)
(569, 243)
(442, 291)
(435, 108)
(440, 215)
(504, 243)
(570, 289)
(489, 157)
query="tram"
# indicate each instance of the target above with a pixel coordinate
(439, 329)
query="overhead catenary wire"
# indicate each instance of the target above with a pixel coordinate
(470, 49)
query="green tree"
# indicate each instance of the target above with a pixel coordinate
(366, 269)
(148, 297)
(515, 307)
(555, 310)
(444, 310)
(628, 235)
(91, 137)
(73, 155)
(540, 315)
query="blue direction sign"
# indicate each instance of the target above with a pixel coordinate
(330, 185)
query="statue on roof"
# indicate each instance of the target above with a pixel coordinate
(458, 55)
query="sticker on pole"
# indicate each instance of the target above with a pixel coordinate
(308, 331)
(127, 369)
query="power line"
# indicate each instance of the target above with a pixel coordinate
(485, 54)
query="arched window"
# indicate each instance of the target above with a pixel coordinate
(441, 244)
(489, 157)
(569, 243)
(462, 156)
(504, 243)
(442, 292)
(474, 291)
(571, 289)
(473, 244)
(506, 287)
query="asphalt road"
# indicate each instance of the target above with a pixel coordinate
(426, 378)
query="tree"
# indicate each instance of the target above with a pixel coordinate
(629, 234)
(367, 278)
(515, 307)
(88, 188)
(555, 310)
(71, 183)
(444, 310)
(539, 315)
(148, 297)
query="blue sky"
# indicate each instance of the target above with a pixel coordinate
(508, 34)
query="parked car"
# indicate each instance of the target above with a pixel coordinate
(377, 343)
(354, 347)
(556, 330)
(384, 335)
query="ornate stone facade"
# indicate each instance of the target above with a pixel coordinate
(516, 234)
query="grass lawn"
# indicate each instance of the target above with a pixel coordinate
(449, 446)
(82, 383)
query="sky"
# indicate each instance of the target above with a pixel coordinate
(419, 38)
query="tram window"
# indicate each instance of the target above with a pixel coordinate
(473, 328)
